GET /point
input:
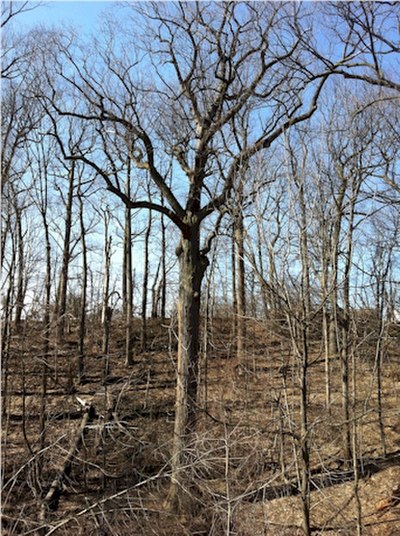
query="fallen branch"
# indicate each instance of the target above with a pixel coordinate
(161, 474)
(51, 501)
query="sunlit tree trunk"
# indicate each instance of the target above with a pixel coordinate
(192, 266)
(21, 275)
(127, 291)
(163, 268)
(61, 302)
(155, 292)
(6, 328)
(143, 334)
(83, 304)
(234, 285)
(106, 310)
(240, 286)
(304, 402)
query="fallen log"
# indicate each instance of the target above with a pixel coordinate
(52, 498)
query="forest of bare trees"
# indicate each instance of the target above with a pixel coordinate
(200, 248)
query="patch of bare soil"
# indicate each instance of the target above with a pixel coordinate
(334, 509)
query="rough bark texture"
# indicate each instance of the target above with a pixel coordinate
(192, 266)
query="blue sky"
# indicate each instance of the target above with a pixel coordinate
(82, 15)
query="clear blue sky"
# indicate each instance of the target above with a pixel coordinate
(82, 15)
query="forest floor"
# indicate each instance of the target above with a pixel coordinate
(245, 453)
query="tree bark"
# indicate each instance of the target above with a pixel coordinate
(20, 298)
(7, 324)
(61, 303)
(163, 269)
(335, 253)
(46, 325)
(192, 264)
(106, 312)
(234, 285)
(127, 292)
(82, 320)
(346, 324)
(240, 287)
(143, 334)
(304, 397)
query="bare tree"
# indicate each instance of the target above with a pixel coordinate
(220, 64)
(11, 9)
(369, 32)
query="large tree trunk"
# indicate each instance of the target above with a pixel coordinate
(192, 266)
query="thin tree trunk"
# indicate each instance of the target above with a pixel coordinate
(155, 293)
(106, 312)
(378, 360)
(46, 326)
(128, 275)
(325, 329)
(355, 448)
(7, 326)
(335, 252)
(273, 301)
(61, 302)
(143, 335)
(5, 230)
(260, 272)
(234, 291)
(346, 324)
(83, 304)
(163, 268)
(241, 290)
(306, 306)
(20, 297)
